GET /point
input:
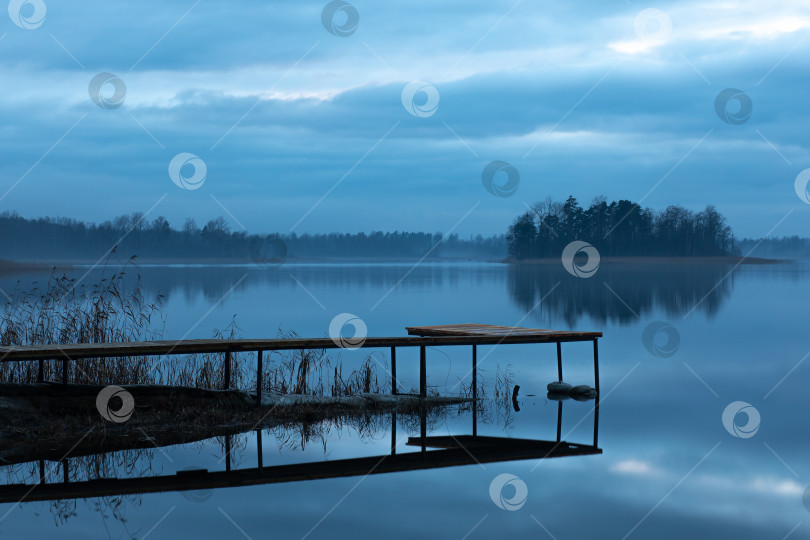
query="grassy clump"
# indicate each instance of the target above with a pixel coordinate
(67, 311)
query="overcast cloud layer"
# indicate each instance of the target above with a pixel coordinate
(304, 130)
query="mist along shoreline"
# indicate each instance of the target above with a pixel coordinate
(13, 267)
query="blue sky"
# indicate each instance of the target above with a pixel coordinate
(301, 129)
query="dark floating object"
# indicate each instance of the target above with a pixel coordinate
(514, 398)
(583, 392)
(558, 386)
(559, 391)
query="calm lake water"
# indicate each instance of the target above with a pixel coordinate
(669, 467)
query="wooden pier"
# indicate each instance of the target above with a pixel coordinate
(419, 336)
(449, 450)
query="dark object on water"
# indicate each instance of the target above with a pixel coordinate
(558, 387)
(583, 392)
(514, 398)
(559, 391)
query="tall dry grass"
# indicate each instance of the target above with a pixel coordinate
(63, 311)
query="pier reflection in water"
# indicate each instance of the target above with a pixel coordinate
(436, 451)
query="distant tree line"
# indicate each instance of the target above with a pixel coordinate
(619, 228)
(63, 239)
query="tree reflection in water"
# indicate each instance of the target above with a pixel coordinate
(619, 292)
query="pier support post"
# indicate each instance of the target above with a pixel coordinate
(475, 389)
(227, 379)
(393, 370)
(559, 420)
(596, 366)
(423, 430)
(422, 372)
(393, 433)
(596, 421)
(259, 381)
(41, 372)
(259, 452)
(559, 361)
(64, 370)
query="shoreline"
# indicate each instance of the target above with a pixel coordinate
(12, 267)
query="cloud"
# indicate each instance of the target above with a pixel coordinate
(281, 110)
(632, 466)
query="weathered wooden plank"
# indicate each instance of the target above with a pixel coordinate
(199, 346)
(491, 330)
(475, 441)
